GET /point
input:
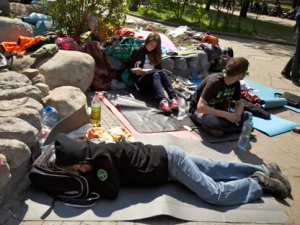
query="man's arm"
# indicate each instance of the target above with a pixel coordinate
(239, 107)
(234, 117)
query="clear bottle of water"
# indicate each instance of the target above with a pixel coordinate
(49, 116)
(245, 134)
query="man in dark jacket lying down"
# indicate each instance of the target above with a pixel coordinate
(107, 166)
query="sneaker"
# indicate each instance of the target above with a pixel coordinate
(174, 103)
(164, 106)
(212, 131)
(296, 82)
(296, 130)
(270, 185)
(276, 173)
(287, 76)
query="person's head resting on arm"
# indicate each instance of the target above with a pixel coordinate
(236, 69)
(153, 46)
(72, 158)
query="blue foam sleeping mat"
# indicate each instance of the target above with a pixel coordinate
(275, 125)
(267, 93)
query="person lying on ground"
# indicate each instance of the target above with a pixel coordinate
(108, 166)
(147, 57)
(211, 103)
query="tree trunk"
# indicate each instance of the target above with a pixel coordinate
(244, 9)
(207, 6)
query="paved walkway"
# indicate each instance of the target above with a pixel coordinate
(266, 62)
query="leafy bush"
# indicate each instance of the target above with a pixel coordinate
(75, 17)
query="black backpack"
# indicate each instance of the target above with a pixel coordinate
(70, 189)
(292, 99)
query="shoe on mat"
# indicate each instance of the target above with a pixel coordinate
(286, 75)
(270, 185)
(296, 130)
(275, 173)
(164, 106)
(212, 131)
(296, 82)
(174, 103)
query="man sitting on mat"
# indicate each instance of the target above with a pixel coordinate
(211, 103)
(107, 166)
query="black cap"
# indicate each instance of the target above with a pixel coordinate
(70, 152)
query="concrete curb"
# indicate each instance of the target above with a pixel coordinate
(217, 32)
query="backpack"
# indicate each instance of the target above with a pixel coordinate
(213, 51)
(70, 189)
(122, 50)
(227, 51)
(219, 65)
(102, 73)
(292, 99)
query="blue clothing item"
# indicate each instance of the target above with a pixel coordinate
(158, 81)
(217, 182)
(219, 123)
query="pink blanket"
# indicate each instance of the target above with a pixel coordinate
(165, 41)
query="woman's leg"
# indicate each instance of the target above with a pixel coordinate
(150, 85)
(157, 85)
(183, 169)
(167, 84)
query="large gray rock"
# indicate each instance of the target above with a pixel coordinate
(31, 116)
(19, 64)
(25, 102)
(30, 73)
(16, 153)
(21, 10)
(38, 79)
(15, 128)
(29, 91)
(180, 63)
(68, 68)
(65, 68)
(12, 29)
(167, 64)
(5, 174)
(12, 80)
(4, 8)
(44, 88)
(66, 100)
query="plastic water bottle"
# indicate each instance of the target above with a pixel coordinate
(245, 134)
(96, 111)
(49, 116)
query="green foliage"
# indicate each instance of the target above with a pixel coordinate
(73, 16)
(178, 7)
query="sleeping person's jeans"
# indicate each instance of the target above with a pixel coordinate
(217, 182)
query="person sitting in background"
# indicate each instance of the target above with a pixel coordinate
(108, 166)
(149, 56)
(211, 103)
(149, 27)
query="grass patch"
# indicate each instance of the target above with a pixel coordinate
(237, 25)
